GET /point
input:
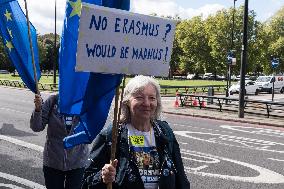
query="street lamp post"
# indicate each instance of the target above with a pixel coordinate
(243, 62)
(229, 66)
(232, 42)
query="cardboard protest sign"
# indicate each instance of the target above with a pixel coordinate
(117, 41)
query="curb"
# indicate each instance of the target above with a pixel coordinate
(226, 119)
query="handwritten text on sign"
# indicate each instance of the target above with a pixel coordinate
(116, 41)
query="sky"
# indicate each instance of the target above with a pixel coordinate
(42, 12)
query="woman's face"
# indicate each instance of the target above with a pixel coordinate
(143, 104)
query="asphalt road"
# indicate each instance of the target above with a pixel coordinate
(224, 155)
(216, 154)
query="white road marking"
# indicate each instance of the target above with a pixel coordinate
(197, 168)
(264, 176)
(10, 186)
(281, 160)
(200, 128)
(228, 140)
(259, 131)
(22, 143)
(21, 181)
(15, 178)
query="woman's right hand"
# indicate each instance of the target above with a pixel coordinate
(38, 102)
(109, 172)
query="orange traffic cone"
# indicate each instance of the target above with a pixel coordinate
(203, 104)
(195, 102)
(176, 104)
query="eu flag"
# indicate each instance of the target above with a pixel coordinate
(14, 32)
(86, 94)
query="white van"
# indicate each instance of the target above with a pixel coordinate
(265, 83)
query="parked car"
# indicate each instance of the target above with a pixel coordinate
(250, 88)
(265, 83)
(207, 75)
(190, 76)
(194, 76)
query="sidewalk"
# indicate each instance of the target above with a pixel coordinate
(168, 107)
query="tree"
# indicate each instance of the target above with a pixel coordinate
(176, 52)
(219, 31)
(5, 63)
(47, 51)
(275, 34)
(203, 45)
(193, 42)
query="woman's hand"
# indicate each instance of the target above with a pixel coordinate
(109, 172)
(38, 102)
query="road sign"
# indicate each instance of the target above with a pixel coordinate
(230, 56)
(275, 62)
(234, 61)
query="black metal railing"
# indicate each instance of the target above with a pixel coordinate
(166, 90)
(20, 84)
(258, 107)
(205, 89)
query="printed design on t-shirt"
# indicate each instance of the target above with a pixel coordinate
(147, 160)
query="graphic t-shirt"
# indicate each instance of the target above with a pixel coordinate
(143, 149)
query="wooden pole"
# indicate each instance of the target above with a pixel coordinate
(116, 117)
(31, 47)
(55, 49)
(121, 97)
(114, 132)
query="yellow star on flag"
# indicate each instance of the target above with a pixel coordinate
(8, 15)
(76, 8)
(10, 33)
(9, 45)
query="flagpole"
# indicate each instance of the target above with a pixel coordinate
(116, 117)
(31, 47)
(121, 96)
(55, 50)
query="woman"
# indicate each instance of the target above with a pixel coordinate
(63, 169)
(148, 155)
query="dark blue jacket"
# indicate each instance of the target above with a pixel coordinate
(172, 176)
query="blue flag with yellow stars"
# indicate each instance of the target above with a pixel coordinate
(88, 95)
(14, 32)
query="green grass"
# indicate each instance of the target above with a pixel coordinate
(46, 80)
(190, 82)
(186, 82)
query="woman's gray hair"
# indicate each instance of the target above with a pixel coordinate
(135, 85)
